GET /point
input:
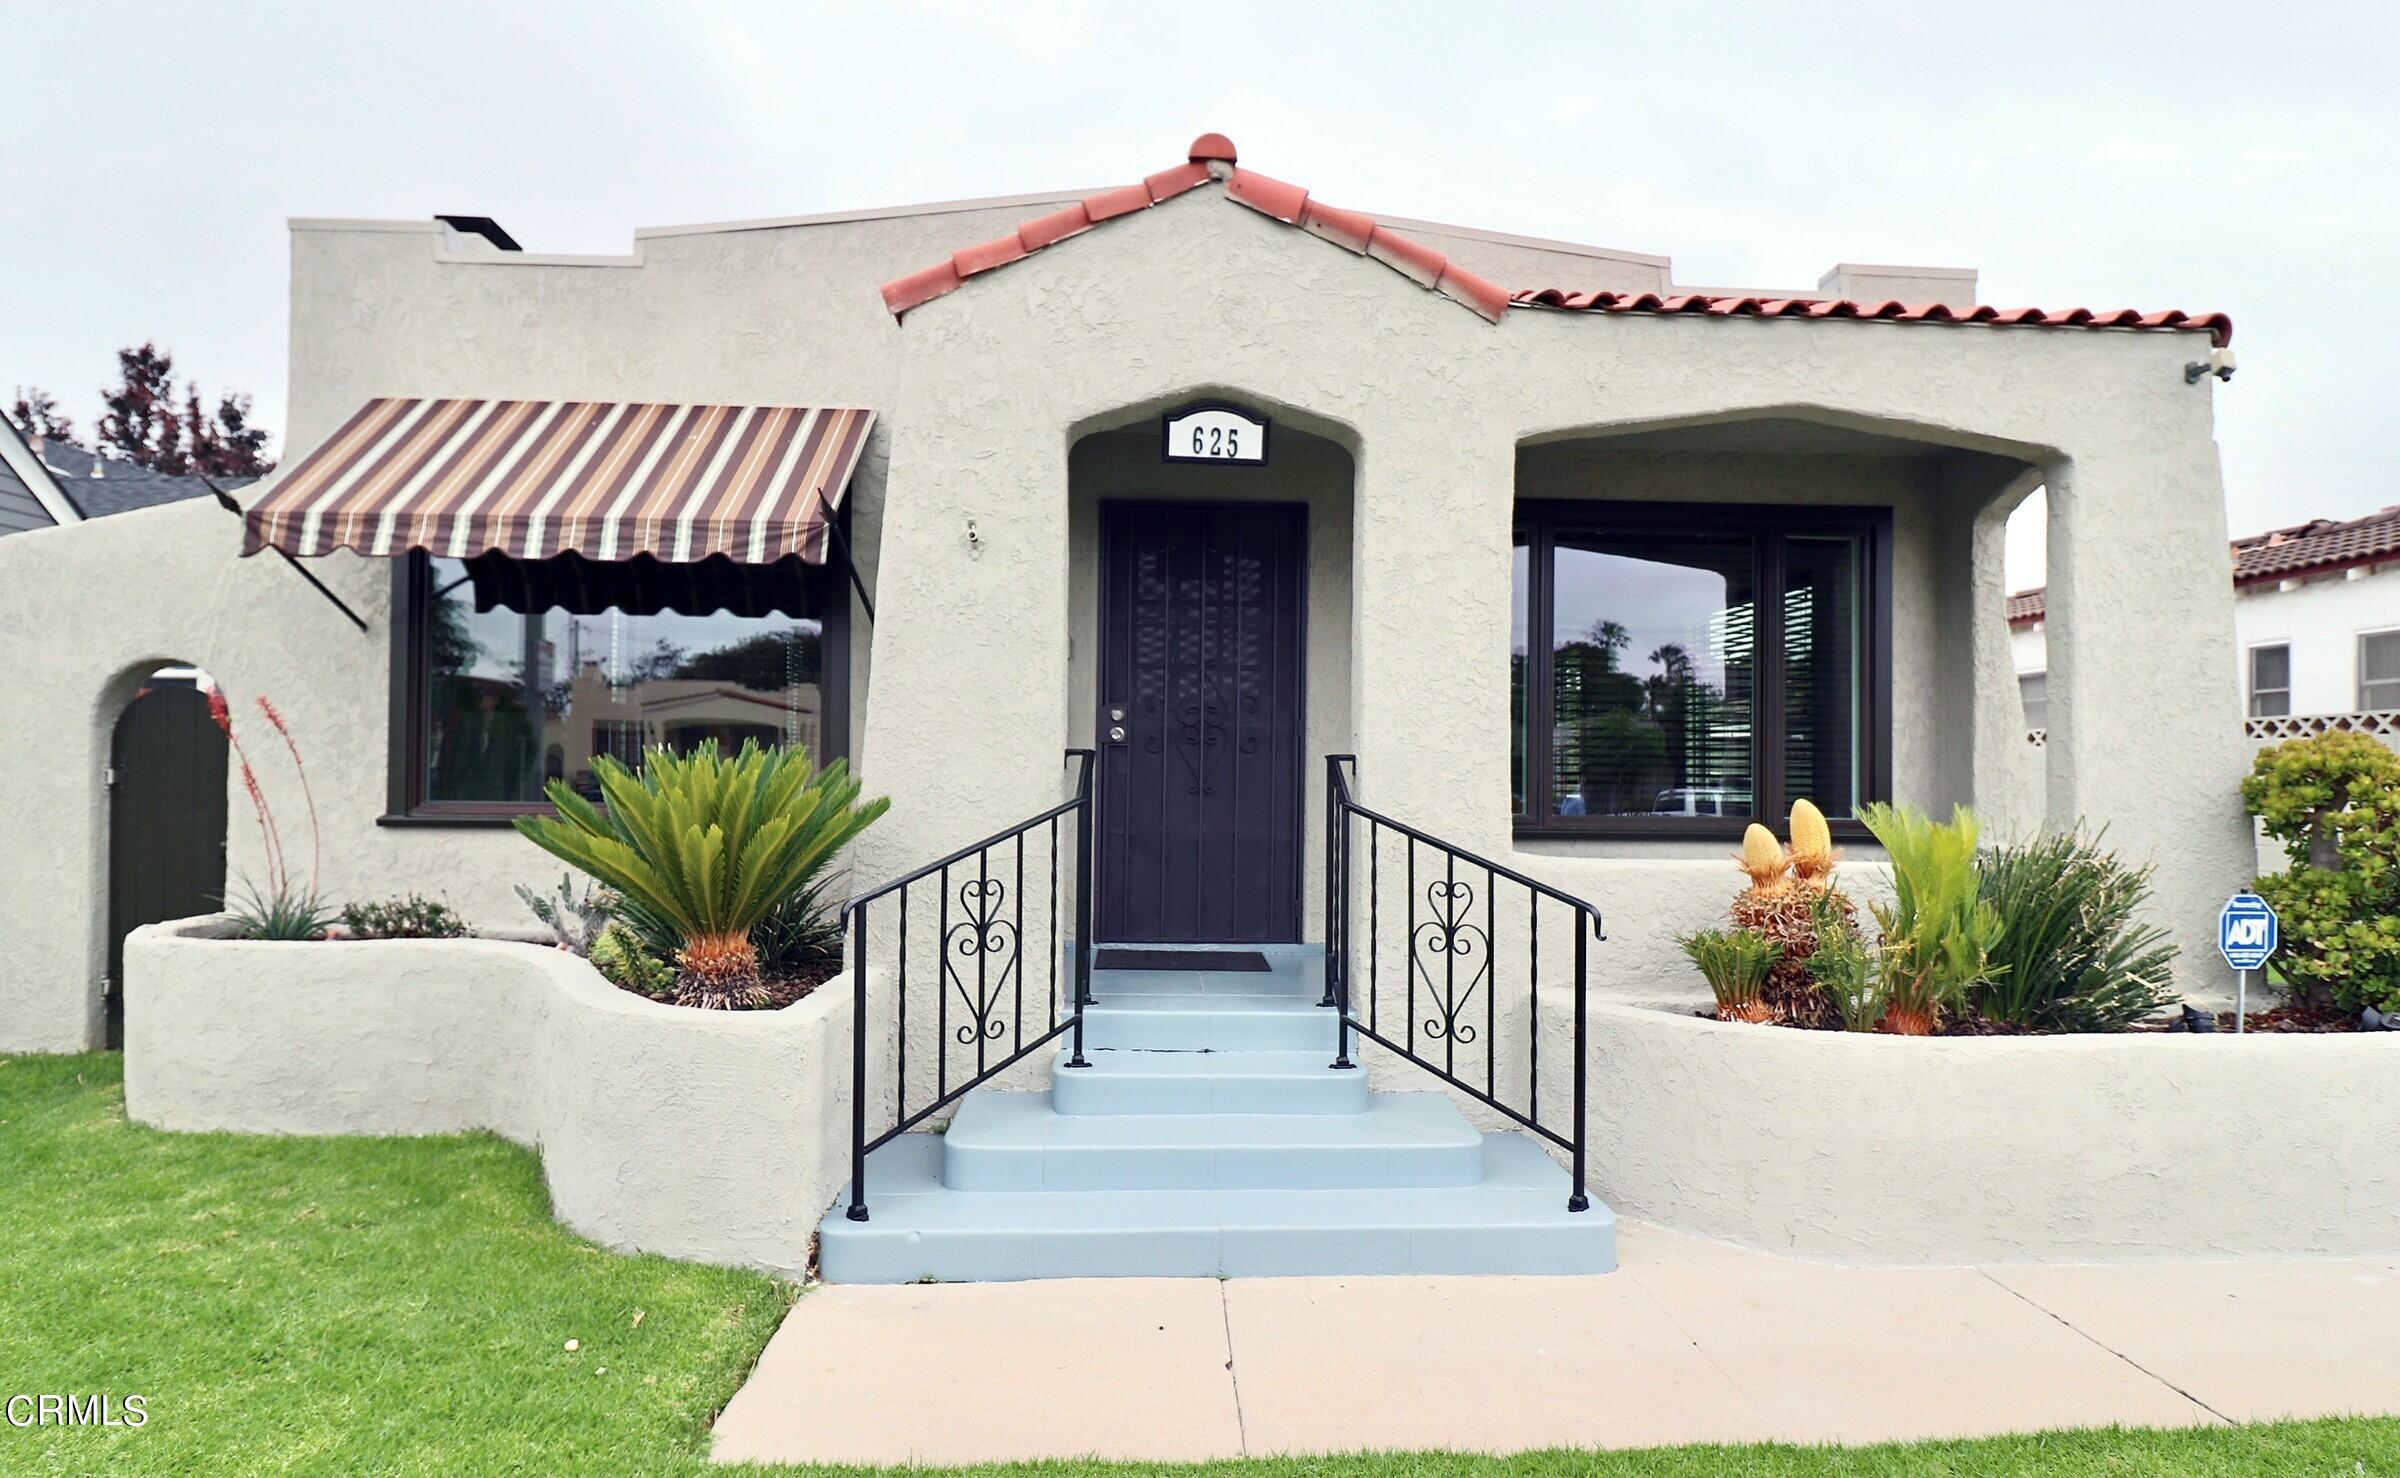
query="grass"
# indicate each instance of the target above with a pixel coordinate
(402, 1306)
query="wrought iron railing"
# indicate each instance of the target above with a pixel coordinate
(968, 941)
(1445, 934)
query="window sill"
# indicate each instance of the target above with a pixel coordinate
(463, 821)
(1635, 829)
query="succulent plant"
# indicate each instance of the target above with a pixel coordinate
(1784, 904)
(1735, 963)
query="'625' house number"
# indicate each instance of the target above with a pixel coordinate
(1215, 433)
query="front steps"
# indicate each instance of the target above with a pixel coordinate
(1210, 1137)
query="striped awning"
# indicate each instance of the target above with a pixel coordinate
(536, 478)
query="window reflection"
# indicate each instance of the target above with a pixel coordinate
(1653, 674)
(515, 698)
(1822, 663)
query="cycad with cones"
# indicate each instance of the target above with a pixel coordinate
(701, 849)
(1782, 905)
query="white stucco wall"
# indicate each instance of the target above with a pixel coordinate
(1912, 1151)
(983, 393)
(717, 1136)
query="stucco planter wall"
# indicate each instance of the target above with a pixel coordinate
(1867, 1149)
(715, 1136)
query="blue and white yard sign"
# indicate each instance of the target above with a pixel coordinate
(2246, 931)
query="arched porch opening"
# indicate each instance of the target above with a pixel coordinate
(1716, 617)
(1209, 665)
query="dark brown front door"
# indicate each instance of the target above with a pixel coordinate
(1200, 652)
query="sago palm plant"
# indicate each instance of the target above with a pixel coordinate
(700, 849)
(1938, 933)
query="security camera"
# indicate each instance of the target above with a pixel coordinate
(2218, 363)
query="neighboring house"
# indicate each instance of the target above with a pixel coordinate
(101, 485)
(2316, 620)
(1588, 568)
(29, 493)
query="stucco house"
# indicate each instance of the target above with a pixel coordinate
(1586, 569)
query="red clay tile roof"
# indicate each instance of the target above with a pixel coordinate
(2217, 325)
(1287, 203)
(1363, 235)
(2320, 546)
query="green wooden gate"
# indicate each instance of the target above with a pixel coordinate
(166, 822)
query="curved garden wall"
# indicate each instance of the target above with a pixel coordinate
(2102, 1148)
(718, 1136)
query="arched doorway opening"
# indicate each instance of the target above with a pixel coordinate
(1210, 606)
(166, 817)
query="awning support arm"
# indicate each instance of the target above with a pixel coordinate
(834, 526)
(225, 500)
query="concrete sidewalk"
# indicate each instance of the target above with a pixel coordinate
(1689, 1342)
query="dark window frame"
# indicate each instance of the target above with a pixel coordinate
(405, 801)
(1539, 522)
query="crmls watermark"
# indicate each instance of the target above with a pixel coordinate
(76, 1411)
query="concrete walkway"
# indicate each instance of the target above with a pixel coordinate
(1689, 1342)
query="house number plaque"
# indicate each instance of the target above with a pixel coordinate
(1215, 433)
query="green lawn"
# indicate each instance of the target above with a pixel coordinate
(403, 1306)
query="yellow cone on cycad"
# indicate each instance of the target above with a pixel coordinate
(1762, 858)
(1812, 842)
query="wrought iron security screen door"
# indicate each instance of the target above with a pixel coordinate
(1201, 635)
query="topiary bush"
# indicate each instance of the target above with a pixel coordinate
(2333, 800)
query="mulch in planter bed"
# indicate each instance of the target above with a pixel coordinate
(785, 987)
(2294, 1016)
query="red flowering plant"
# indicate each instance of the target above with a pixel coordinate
(280, 906)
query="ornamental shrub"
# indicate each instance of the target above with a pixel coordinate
(2074, 954)
(2333, 800)
(411, 917)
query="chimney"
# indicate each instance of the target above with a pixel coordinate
(34, 444)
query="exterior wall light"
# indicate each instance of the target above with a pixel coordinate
(2218, 363)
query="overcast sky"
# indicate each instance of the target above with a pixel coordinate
(2236, 157)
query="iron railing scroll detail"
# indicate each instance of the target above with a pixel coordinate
(1456, 932)
(975, 942)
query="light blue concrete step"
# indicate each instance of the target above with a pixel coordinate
(1209, 1023)
(1015, 1141)
(1513, 1221)
(1123, 1081)
(1295, 972)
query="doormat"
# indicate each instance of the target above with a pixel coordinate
(1179, 959)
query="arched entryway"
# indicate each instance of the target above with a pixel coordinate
(166, 817)
(1211, 617)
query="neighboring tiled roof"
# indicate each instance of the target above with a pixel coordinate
(2319, 546)
(121, 487)
(1292, 205)
(2218, 326)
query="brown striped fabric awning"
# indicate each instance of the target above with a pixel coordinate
(535, 478)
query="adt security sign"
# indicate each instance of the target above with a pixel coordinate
(2246, 931)
(2246, 936)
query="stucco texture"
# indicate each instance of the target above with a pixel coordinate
(1908, 1151)
(982, 398)
(706, 1135)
